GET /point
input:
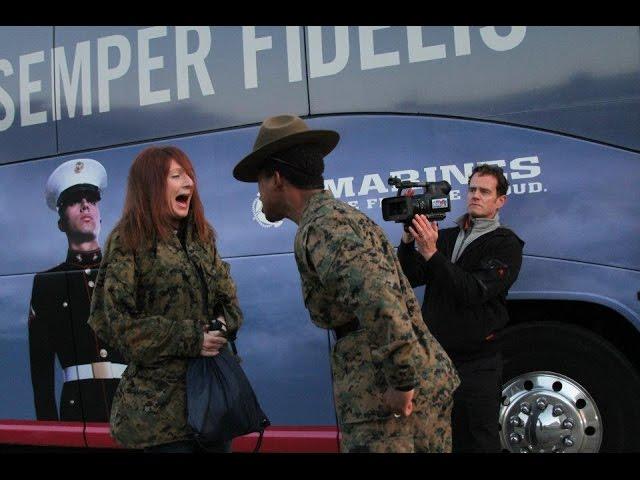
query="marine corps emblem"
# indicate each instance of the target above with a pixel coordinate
(79, 167)
(258, 214)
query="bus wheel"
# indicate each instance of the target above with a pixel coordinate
(566, 389)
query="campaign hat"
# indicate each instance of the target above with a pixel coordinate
(279, 133)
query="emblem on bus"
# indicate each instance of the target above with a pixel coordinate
(258, 215)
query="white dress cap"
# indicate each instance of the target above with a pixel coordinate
(74, 172)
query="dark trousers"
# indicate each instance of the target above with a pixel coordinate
(190, 446)
(476, 404)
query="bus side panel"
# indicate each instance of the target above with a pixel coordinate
(568, 198)
(16, 393)
(27, 129)
(553, 279)
(158, 94)
(18, 397)
(531, 75)
(558, 185)
(284, 354)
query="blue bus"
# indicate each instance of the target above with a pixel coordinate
(557, 107)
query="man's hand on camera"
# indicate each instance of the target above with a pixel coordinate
(212, 343)
(425, 234)
(407, 237)
(399, 403)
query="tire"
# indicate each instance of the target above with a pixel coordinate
(594, 363)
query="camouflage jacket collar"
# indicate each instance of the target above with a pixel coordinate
(186, 231)
(314, 205)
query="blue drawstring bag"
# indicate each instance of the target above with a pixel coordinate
(221, 403)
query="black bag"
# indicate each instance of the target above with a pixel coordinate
(221, 403)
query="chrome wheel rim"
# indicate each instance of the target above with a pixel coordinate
(547, 412)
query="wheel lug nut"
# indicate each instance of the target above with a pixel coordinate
(568, 441)
(515, 438)
(557, 411)
(567, 424)
(525, 408)
(515, 421)
(542, 403)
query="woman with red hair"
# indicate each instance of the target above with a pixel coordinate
(160, 282)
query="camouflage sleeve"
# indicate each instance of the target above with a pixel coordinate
(114, 317)
(226, 290)
(365, 280)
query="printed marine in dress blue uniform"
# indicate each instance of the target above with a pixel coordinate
(60, 302)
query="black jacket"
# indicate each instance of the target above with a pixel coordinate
(60, 302)
(465, 303)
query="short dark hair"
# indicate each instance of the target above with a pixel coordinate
(63, 218)
(62, 214)
(496, 172)
(301, 165)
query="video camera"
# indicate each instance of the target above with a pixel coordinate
(434, 202)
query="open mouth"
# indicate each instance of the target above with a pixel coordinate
(183, 200)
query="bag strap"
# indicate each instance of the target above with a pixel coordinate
(259, 442)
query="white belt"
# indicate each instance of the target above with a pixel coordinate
(99, 370)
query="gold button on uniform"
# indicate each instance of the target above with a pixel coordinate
(103, 353)
(87, 271)
(91, 284)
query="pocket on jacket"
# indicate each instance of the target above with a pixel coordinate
(148, 392)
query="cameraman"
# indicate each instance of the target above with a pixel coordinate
(468, 270)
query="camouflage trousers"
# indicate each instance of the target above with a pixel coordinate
(424, 432)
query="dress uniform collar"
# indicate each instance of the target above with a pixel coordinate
(84, 259)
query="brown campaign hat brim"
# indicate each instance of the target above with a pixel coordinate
(248, 168)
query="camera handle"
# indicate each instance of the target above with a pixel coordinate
(403, 184)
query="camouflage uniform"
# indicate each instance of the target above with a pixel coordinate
(349, 271)
(153, 306)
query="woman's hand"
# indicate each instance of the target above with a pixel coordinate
(212, 343)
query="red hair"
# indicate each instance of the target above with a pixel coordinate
(146, 213)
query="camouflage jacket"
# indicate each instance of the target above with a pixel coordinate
(153, 305)
(349, 270)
